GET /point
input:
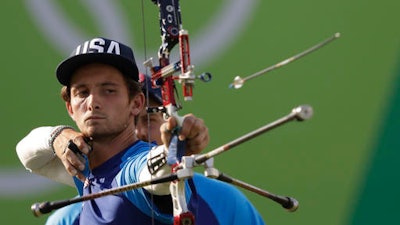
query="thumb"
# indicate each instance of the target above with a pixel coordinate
(165, 134)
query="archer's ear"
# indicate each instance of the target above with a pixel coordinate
(69, 109)
(138, 104)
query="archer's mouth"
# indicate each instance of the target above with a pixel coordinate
(94, 118)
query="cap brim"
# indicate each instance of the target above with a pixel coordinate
(66, 68)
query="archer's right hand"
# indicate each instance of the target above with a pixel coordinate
(73, 161)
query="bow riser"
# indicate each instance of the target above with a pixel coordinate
(187, 76)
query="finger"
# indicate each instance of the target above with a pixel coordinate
(188, 128)
(63, 138)
(81, 177)
(82, 144)
(171, 124)
(197, 144)
(88, 145)
(69, 168)
(74, 160)
(194, 127)
(165, 134)
(73, 147)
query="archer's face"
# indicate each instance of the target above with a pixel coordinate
(148, 125)
(100, 103)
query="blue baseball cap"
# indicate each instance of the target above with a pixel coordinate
(154, 92)
(99, 50)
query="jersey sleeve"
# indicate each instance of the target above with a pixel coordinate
(133, 165)
(68, 215)
(229, 205)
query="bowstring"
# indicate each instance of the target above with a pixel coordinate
(147, 98)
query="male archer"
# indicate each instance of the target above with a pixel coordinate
(102, 96)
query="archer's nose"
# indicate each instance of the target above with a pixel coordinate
(93, 102)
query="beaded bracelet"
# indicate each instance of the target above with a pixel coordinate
(54, 134)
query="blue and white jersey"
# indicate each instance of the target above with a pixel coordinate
(211, 201)
(68, 215)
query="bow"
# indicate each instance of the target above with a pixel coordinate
(164, 76)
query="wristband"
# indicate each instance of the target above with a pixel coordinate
(54, 134)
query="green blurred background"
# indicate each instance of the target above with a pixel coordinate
(342, 165)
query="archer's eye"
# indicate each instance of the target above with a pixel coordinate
(81, 93)
(110, 91)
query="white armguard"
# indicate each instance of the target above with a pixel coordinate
(145, 175)
(37, 156)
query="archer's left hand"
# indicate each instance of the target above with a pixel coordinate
(193, 131)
